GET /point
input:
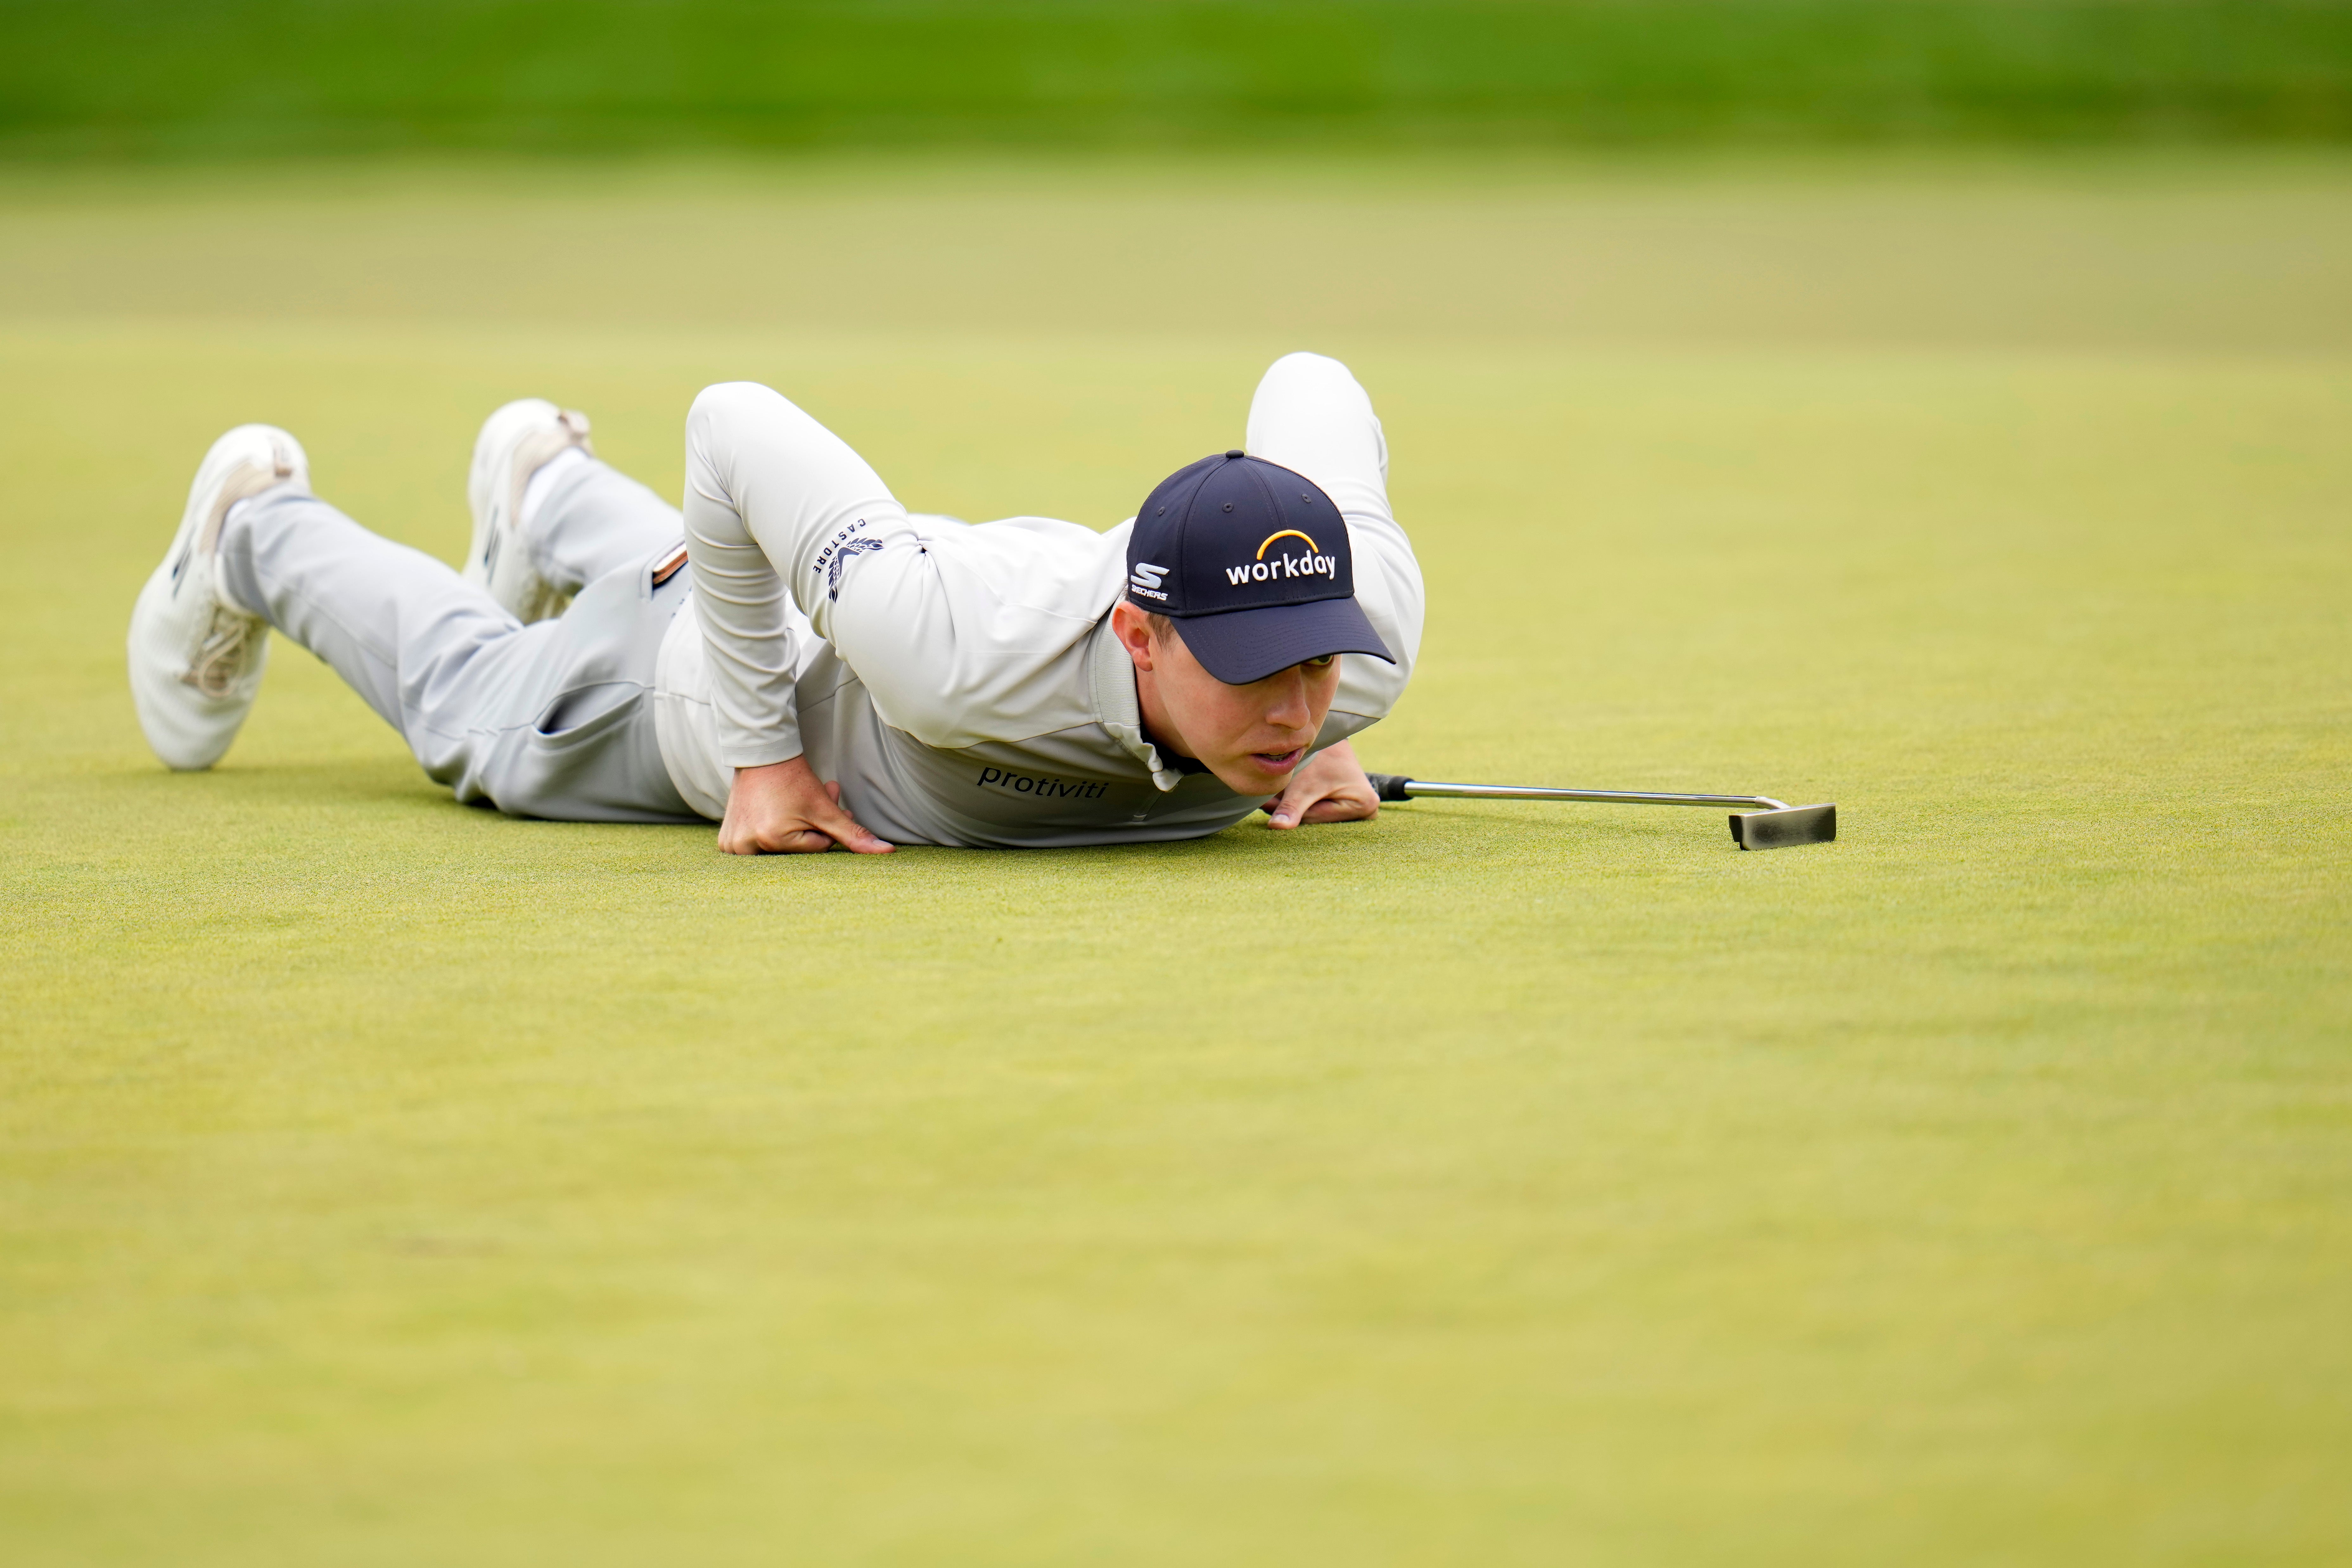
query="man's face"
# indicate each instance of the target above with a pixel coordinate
(1251, 737)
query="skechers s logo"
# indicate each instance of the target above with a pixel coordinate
(1314, 563)
(1145, 580)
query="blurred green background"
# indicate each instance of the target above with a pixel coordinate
(145, 78)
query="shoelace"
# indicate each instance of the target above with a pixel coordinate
(229, 649)
(224, 658)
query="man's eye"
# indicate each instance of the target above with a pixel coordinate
(1319, 663)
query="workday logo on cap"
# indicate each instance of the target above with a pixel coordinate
(1284, 565)
(1253, 561)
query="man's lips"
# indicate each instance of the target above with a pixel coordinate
(1278, 762)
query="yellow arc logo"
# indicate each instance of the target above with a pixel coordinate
(1286, 533)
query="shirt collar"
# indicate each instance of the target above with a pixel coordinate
(1112, 674)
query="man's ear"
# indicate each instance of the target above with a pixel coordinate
(1133, 630)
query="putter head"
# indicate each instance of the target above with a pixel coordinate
(1781, 829)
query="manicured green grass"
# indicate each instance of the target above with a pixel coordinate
(383, 1181)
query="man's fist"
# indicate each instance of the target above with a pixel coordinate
(781, 809)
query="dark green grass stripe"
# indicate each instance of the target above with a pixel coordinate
(113, 78)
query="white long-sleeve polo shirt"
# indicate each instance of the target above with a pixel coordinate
(962, 682)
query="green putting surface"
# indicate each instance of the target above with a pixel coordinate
(383, 1181)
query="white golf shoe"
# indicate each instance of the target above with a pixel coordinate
(196, 658)
(516, 442)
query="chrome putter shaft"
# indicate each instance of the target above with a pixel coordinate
(1776, 825)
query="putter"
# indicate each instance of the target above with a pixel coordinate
(1778, 825)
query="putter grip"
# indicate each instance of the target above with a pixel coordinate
(1389, 786)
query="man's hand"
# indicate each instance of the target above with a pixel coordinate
(781, 809)
(1329, 786)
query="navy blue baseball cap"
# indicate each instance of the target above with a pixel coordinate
(1252, 561)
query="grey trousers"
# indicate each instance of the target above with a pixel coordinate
(553, 719)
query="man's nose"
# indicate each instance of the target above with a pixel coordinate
(1286, 704)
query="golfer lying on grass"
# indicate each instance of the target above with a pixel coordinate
(850, 673)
